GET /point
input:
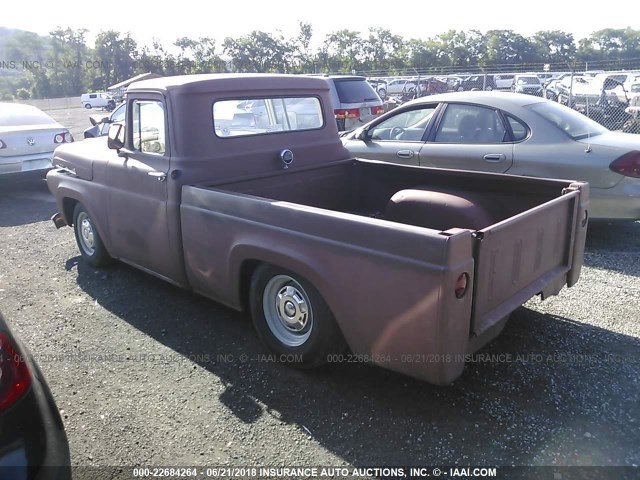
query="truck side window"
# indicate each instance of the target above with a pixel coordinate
(148, 127)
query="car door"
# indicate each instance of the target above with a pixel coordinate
(396, 139)
(137, 195)
(468, 137)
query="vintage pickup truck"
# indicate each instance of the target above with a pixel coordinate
(237, 187)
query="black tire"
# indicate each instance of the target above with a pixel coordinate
(308, 334)
(382, 93)
(87, 106)
(88, 239)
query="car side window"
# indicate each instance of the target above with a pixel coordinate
(407, 126)
(470, 124)
(518, 128)
(148, 129)
(118, 114)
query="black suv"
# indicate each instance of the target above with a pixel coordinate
(478, 82)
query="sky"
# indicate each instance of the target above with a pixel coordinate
(422, 19)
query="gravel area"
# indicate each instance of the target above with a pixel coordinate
(147, 374)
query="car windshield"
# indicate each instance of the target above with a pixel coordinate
(571, 122)
(13, 115)
(355, 91)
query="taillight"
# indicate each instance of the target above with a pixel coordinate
(64, 137)
(14, 374)
(377, 110)
(347, 112)
(461, 285)
(2, 145)
(627, 165)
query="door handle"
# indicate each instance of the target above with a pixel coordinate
(160, 176)
(494, 157)
(405, 154)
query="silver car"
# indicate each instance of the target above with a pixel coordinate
(28, 137)
(509, 133)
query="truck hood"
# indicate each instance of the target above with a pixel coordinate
(80, 157)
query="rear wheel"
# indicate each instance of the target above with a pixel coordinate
(87, 106)
(292, 319)
(88, 239)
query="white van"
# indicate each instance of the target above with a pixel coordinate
(97, 100)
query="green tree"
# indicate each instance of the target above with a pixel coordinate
(342, 51)
(258, 52)
(198, 56)
(382, 49)
(116, 56)
(555, 46)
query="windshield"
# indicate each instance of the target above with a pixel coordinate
(572, 123)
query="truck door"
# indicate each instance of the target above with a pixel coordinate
(137, 196)
(468, 137)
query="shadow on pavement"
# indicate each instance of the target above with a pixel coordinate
(548, 391)
(25, 202)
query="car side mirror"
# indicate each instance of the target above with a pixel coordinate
(363, 134)
(95, 119)
(116, 136)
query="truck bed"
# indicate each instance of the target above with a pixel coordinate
(399, 237)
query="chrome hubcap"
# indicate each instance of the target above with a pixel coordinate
(287, 310)
(292, 308)
(86, 233)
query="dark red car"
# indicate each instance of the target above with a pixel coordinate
(431, 86)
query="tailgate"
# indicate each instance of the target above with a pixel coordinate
(527, 254)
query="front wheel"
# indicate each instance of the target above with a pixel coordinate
(88, 239)
(292, 319)
(87, 106)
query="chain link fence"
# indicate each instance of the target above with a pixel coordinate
(610, 97)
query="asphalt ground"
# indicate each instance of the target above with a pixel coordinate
(146, 374)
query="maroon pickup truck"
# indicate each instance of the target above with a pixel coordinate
(237, 187)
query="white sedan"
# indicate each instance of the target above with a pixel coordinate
(509, 133)
(28, 137)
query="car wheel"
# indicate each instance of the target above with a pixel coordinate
(383, 93)
(292, 319)
(87, 106)
(88, 239)
(489, 88)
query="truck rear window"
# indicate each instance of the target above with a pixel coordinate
(261, 116)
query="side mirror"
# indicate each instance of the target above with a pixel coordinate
(116, 136)
(363, 134)
(96, 119)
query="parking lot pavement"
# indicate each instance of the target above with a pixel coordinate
(147, 374)
(76, 119)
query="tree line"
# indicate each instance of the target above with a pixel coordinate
(63, 64)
